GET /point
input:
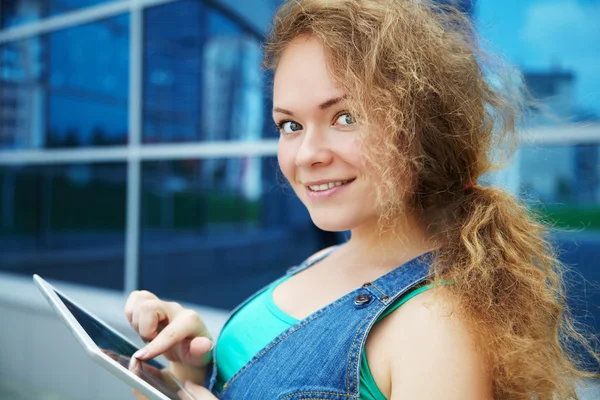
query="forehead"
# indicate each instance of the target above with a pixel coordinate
(301, 78)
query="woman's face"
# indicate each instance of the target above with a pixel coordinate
(318, 151)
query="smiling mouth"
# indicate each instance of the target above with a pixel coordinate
(331, 185)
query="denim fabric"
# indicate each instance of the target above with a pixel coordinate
(319, 357)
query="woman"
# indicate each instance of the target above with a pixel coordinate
(446, 289)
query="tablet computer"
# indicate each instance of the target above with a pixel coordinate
(112, 350)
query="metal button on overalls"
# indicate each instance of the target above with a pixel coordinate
(362, 299)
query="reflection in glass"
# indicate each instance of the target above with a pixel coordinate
(66, 89)
(565, 180)
(214, 231)
(562, 185)
(22, 94)
(19, 12)
(202, 78)
(89, 94)
(64, 222)
(555, 45)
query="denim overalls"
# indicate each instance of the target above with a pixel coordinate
(319, 357)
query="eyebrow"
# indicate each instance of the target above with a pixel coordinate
(322, 106)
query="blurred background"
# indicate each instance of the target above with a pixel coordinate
(137, 150)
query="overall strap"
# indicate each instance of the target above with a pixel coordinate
(395, 283)
(320, 356)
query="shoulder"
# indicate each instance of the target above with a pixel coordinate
(320, 253)
(426, 337)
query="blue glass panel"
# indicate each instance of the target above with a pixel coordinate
(22, 94)
(555, 43)
(65, 222)
(466, 6)
(89, 84)
(18, 12)
(202, 77)
(172, 72)
(214, 231)
(66, 89)
(561, 183)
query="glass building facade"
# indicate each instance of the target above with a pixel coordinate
(137, 148)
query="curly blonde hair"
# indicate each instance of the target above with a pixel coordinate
(419, 84)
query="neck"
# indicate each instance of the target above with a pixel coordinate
(369, 248)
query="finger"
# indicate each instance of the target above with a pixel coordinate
(133, 298)
(129, 305)
(151, 313)
(187, 324)
(139, 395)
(200, 346)
(133, 364)
(151, 370)
(130, 308)
(134, 321)
(196, 391)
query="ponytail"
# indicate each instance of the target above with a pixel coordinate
(509, 283)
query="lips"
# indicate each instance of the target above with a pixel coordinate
(326, 181)
(329, 185)
(321, 195)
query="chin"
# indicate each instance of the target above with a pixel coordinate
(332, 224)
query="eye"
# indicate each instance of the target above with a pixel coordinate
(344, 119)
(287, 127)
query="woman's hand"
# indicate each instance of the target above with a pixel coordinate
(197, 392)
(171, 330)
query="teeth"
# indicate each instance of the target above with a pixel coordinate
(326, 186)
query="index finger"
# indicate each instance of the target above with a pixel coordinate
(176, 331)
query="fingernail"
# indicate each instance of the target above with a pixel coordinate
(132, 363)
(212, 346)
(141, 354)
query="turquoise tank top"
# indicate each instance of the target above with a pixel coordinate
(258, 322)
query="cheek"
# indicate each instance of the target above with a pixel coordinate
(352, 154)
(286, 160)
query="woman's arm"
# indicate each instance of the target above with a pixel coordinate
(433, 352)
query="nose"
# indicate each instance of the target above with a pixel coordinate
(314, 148)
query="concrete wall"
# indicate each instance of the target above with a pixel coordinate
(39, 356)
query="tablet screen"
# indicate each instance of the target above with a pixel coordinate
(121, 351)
